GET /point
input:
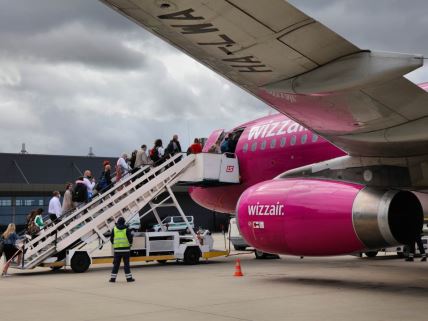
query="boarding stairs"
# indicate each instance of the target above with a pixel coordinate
(96, 219)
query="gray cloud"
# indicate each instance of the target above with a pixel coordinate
(75, 74)
(29, 17)
(73, 43)
(392, 25)
(383, 25)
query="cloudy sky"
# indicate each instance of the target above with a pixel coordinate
(75, 74)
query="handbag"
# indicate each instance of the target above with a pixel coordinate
(33, 229)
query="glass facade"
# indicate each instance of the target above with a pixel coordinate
(6, 211)
(16, 209)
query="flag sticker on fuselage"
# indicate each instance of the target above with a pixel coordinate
(259, 224)
(266, 209)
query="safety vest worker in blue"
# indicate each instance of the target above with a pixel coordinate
(121, 239)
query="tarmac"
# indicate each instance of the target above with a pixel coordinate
(290, 288)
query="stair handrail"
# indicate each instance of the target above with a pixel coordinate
(76, 211)
(47, 235)
(125, 200)
(79, 220)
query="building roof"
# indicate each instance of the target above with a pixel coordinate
(34, 172)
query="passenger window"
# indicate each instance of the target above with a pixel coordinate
(314, 137)
(263, 145)
(293, 140)
(304, 139)
(273, 143)
(283, 141)
(253, 146)
(245, 148)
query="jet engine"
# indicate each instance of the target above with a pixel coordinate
(315, 217)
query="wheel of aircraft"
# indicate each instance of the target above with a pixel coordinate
(264, 256)
(371, 253)
(259, 254)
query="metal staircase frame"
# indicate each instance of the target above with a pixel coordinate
(92, 221)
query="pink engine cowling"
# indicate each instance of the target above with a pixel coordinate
(314, 217)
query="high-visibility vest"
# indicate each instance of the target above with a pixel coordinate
(120, 238)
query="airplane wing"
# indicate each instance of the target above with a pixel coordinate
(357, 99)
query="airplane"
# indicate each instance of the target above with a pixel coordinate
(344, 167)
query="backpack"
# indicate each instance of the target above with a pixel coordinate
(33, 229)
(224, 147)
(154, 154)
(118, 173)
(170, 149)
(102, 182)
(133, 159)
(80, 193)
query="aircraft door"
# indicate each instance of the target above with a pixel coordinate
(215, 137)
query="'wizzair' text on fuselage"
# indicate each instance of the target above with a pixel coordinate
(275, 129)
(266, 209)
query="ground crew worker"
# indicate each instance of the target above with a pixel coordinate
(421, 249)
(121, 240)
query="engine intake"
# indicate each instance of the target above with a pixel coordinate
(386, 217)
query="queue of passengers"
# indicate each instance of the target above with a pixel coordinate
(84, 190)
(86, 186)
(156, 155)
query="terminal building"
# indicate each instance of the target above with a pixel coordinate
(28, 180)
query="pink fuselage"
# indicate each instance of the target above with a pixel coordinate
(299, 216)
(268, 147)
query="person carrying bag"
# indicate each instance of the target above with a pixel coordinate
(11, 251)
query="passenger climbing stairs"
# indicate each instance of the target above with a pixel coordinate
(96, 219)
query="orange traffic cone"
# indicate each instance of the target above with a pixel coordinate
(238, 271)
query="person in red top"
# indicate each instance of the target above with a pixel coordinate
(196, 147)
